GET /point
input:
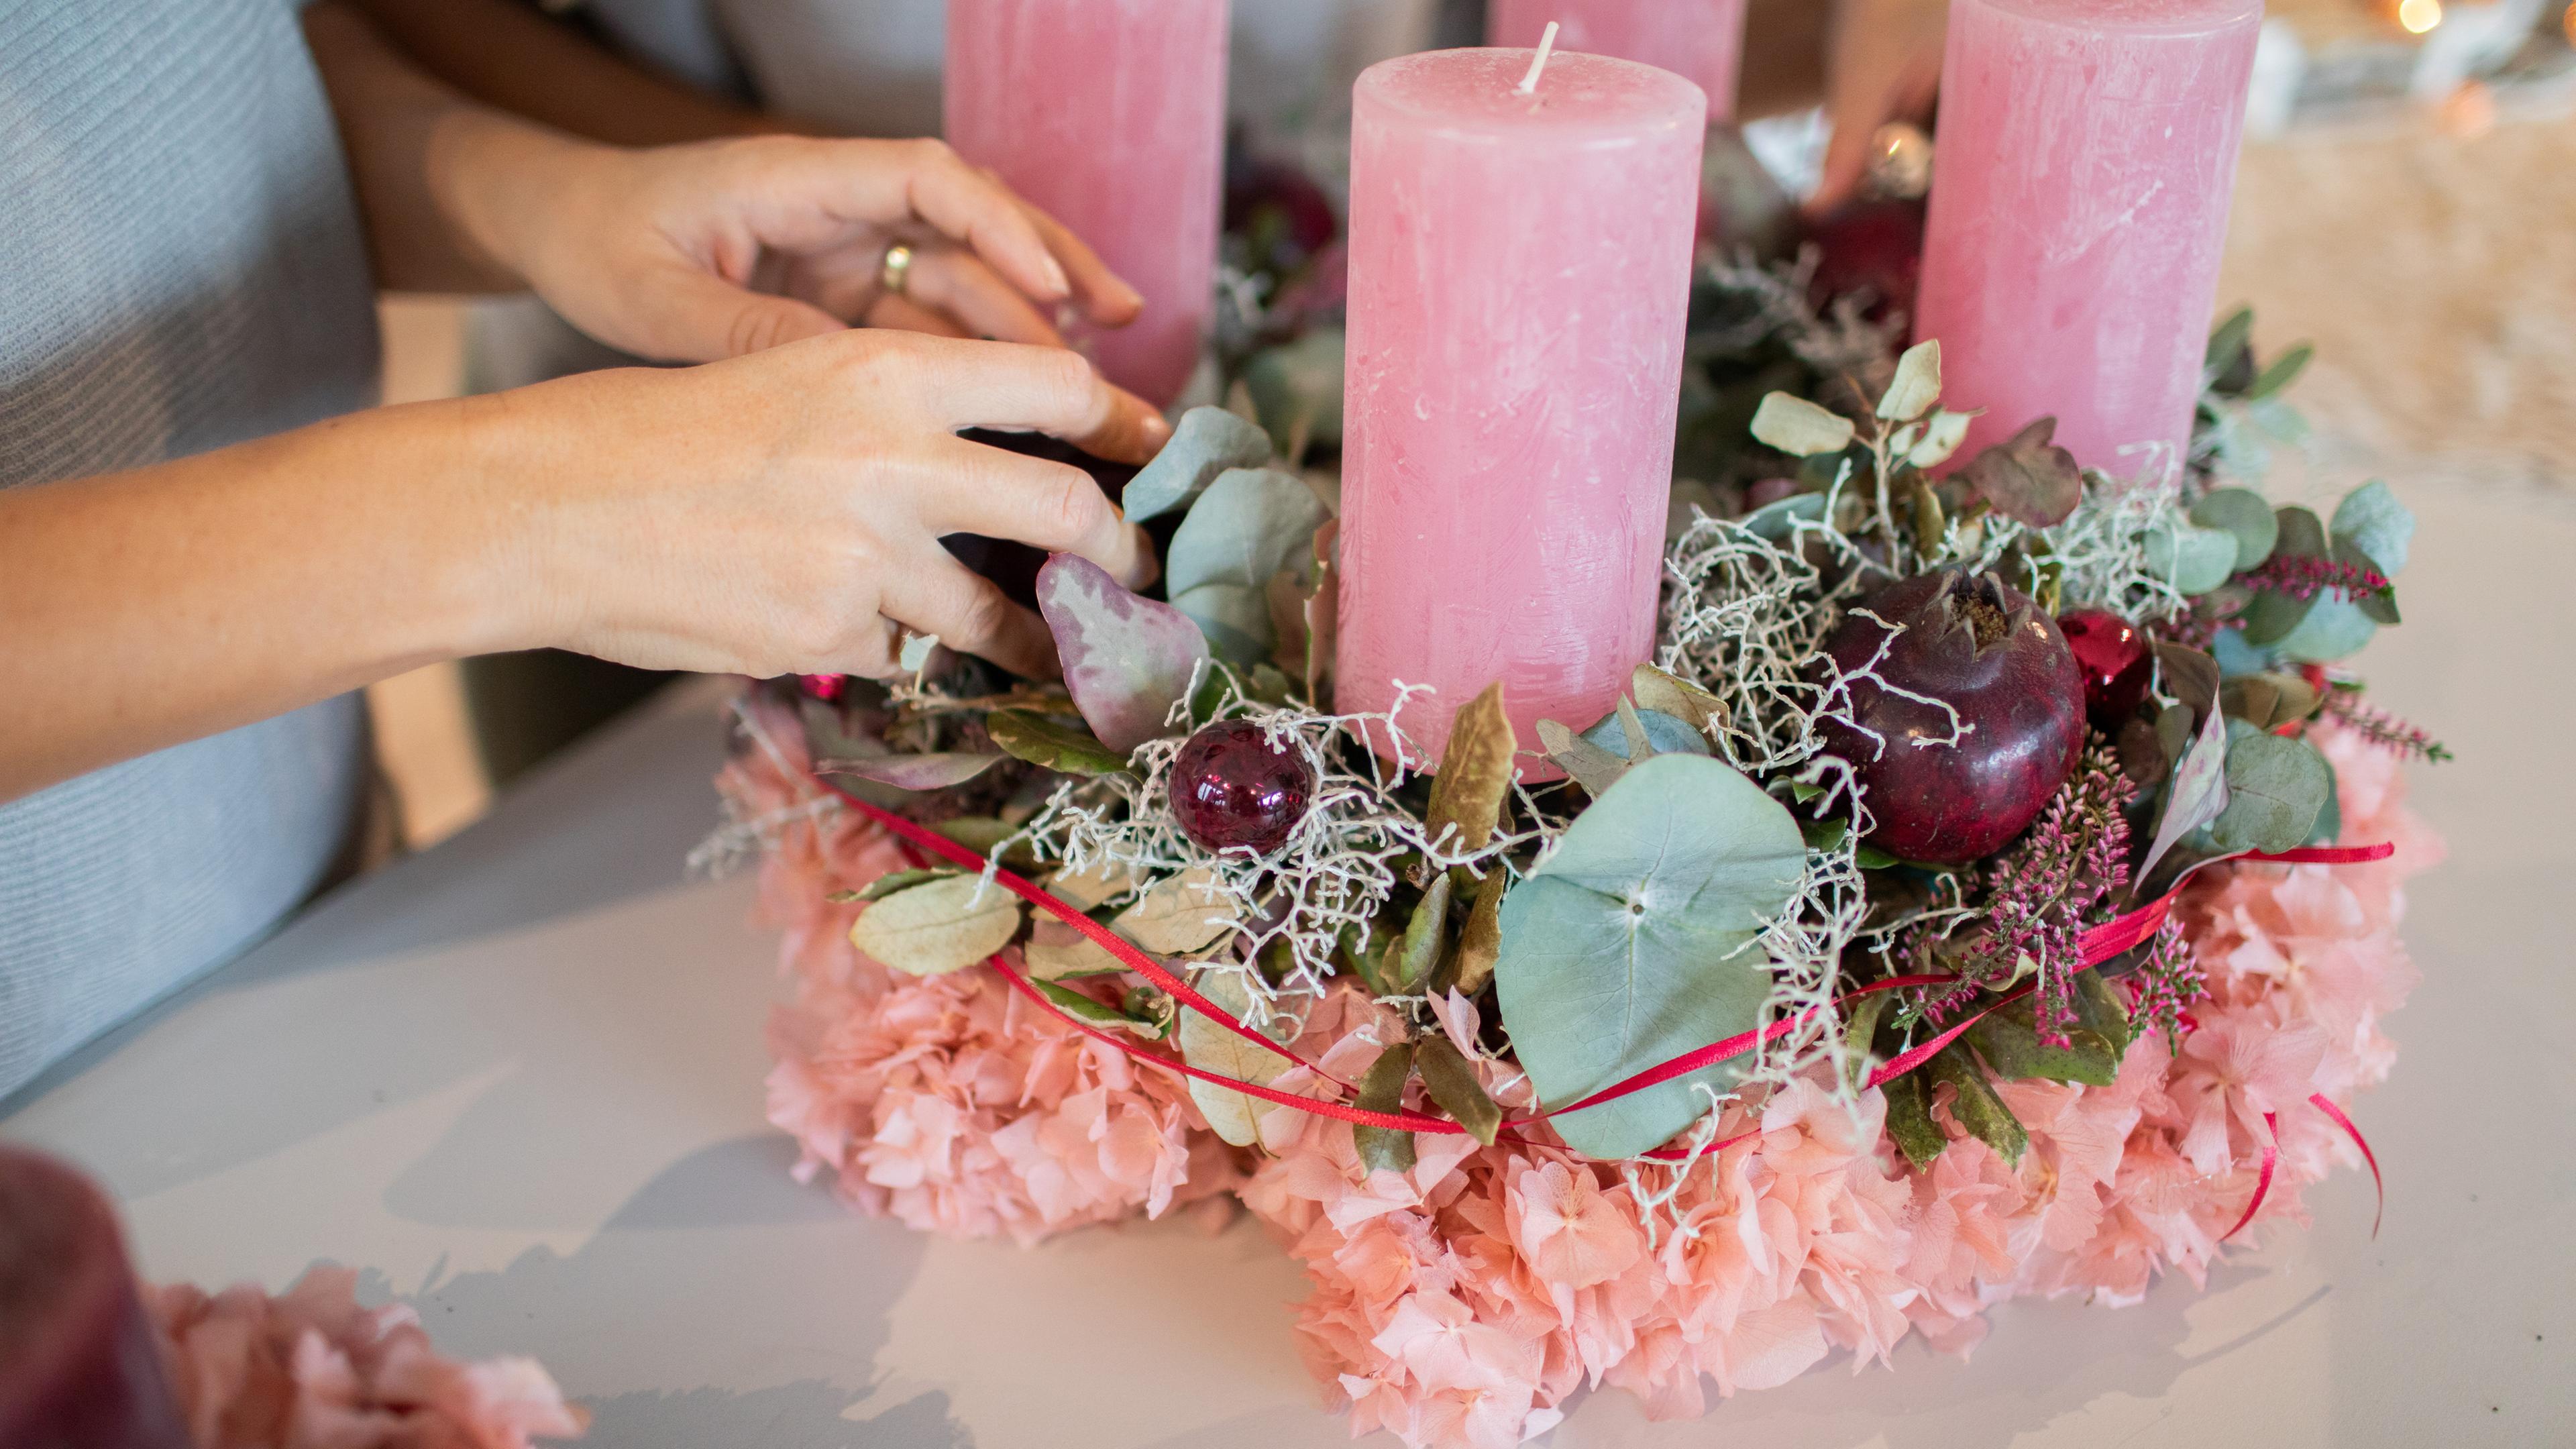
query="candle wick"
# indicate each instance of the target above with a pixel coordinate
(1538, 62)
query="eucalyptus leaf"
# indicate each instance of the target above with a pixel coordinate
(1093, 1012)
(1207, 442)
(2275, 787)
(1800, 428)
(2301, 533)
(2199, 793)
(1209, 1047)
(1127, 659)
(2193, 560)
(1909, 1119)
(1665, 734)
(1474, 776)
(1860, 1033)
(1297, 386)
(1250, 525)
(939, 926)
(2273, 616)
(1385, 1149)
(1917, 385)
(1051, 742)
(1480, 941)
(2329, 827)
(1774, 521)
(2028, 478)
(1591, 766)
(901, 880)
(2228, 341)
(1942, 435)
(1103, 883)
(1409, 960)
(1976, 1107)
(1658, 689)
(982, 834)
(2269, 700)
(1057, 952)
(2280, 373)
(2332, 628)
(913, 772)
(2189, 675)
(2243, 513)
(1634, 941)
(2372, 519)
(1451, 1080)
(2103, 1013)
(1180, 914)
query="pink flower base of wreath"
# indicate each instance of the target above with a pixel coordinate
(1463, 1301)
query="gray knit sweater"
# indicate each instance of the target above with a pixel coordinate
(180, 269)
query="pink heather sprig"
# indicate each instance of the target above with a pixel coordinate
(2164, 988)
(2385, 730)
(2304, 576)
(2045, 891)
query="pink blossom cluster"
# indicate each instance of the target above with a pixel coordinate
(1462, 1302)
(950, 1102)
(310, 1369)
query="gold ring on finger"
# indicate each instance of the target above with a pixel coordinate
(897, 269)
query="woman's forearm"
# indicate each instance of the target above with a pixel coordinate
(505, 55)
(418, 153)
(146, 608)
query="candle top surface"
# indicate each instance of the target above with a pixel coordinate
(1578, 97)
(2144, 17)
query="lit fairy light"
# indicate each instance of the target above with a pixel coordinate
(2419, 16)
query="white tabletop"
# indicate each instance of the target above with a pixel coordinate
(517, 1080)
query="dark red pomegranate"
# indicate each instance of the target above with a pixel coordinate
(1996, 658)
(1232, 787)
(2117, 660)
(1871, 246)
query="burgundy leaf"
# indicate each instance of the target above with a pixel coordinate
(1126, 658)
(2028, 479)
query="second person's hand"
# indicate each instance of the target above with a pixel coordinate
(717, 249)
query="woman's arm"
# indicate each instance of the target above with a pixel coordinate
(507, 56)
(776, 514)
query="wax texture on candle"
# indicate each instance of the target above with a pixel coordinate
(1701, 41)
(1110, 115)
(2085, 157)
(1520, 279)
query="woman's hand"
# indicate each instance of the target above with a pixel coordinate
(721, 248)
(781, 514)
(1882, 64)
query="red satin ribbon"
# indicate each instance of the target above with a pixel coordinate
(2272, 1157)
(2099, 944)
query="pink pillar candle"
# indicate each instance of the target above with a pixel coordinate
(1519, 278)
(1109, 114)
(1701, 41)
(2079, 207)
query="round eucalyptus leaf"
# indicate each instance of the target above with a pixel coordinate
(1634, 941)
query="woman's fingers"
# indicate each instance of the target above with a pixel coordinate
(970, 614)
(1048, 505)
(1009, 385)
(701, 317)
(960, 285)
(970, 207)
(1102, 294)
(903, 316)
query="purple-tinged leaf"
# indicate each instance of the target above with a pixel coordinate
(2028, 478)
(1127, 659)
(2199, 792)
(914, 772)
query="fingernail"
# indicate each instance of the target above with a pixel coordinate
(1057, 281)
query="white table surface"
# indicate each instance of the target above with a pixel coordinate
(517, 1080)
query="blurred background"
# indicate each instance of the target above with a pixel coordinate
(2406, 201)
